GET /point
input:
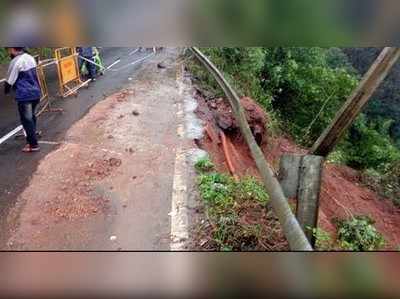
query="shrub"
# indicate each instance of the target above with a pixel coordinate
(217, 190)
(369, 146)
(359, 234)
(204, 165)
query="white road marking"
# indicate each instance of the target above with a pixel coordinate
(134, 51)
(134, 62)
(11, 134)
(49, 142)
(116, 62)
(179, 211)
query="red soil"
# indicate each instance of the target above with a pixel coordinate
(342, 191)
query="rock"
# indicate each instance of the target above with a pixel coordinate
(135, 113)
(161, 65)
(225, 122)
(213, 105)
(114, 162)
(255, 115)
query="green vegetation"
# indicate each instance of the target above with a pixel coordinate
(3, 56)
(387, 185)
(323, 239)
(242, 68)
(302, 88)
(355, 234)
(43, 52)
(204, 165)
(369, 146)
(306, 90)
(227, 204)
(248, 188)
(217, 190)
(359, 234)
(384, 104)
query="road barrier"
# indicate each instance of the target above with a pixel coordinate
(68, 71)
(42, 82)
(291, 228)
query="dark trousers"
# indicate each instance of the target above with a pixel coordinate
(91, 68)
(28, 120)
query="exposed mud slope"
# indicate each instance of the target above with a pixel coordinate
(342, 191)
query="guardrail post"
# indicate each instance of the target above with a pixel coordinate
(301, 178)
(310, 179)
(289, 174)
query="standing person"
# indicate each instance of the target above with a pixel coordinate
(99, 61)
(87, 52)
(22, 77)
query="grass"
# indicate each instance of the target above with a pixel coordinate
(323, 239)
(204, 165)
(236, 210)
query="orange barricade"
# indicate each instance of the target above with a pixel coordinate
(68, 71)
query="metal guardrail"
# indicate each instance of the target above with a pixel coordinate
(294, 234)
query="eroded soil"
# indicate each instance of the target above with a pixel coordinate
(342, 191)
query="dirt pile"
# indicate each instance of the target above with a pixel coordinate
(101, 169)
(218, 116)
(255, 115)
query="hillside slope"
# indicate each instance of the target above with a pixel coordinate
(343, 194)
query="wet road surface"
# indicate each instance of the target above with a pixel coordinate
(16, 168)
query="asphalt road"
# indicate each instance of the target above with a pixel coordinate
(16, 168)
